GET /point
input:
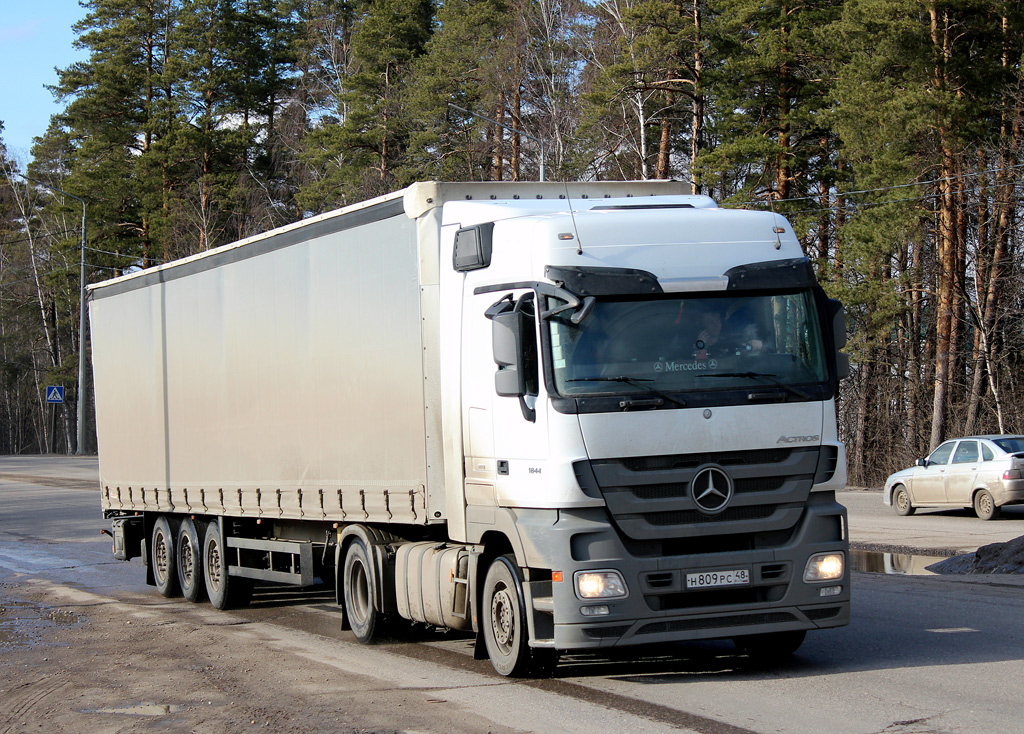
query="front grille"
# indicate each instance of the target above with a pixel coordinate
(692, 461)
(649, 496)
(818, 614)
(691, 517)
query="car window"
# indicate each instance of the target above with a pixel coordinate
(966, 452)
(941, 454)
(986, 453)
(1010, 445)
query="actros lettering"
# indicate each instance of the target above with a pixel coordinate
(797, 439)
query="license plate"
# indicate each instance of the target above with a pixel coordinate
(708, 579)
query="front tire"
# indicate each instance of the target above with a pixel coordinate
(162, 558)
(901, 502)
(985, 506)
(504, 624)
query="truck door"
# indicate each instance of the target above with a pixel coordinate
(506, 435)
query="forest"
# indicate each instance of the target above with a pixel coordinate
(888, 131)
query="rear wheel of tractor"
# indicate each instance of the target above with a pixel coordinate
(162, 558)
(771, 646)
(190, 561)
(985, 506)
(504, 624)
(225, 591)
(364, 618)
(901, 501)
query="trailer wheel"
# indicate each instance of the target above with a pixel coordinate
(359, 580)
(190, 561)
(162, 558)
(225, 591)
(504, 623)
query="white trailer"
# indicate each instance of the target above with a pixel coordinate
(562, 416)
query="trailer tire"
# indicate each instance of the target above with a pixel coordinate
(504, 621)
(162, 558)
(225, 591)
(189, 554)
(360, 586)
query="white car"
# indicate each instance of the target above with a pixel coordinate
(983, 472)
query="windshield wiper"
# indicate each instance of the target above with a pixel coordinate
(635, 382)
(761, 376)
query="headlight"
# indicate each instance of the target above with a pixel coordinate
(600, 585)
(824, 567)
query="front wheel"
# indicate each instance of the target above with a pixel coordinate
(504, 625)
(985, 506)
(901, 501)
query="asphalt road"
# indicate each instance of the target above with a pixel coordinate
(922, 654)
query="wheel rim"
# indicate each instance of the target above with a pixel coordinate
(160, 560)
(985, 503)
(187, 555)
(902, 501)
(503, 623)
(213, 565)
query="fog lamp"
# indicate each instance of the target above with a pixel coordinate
(600, 584)
(824, 567)
(830, 591)
(595, 611)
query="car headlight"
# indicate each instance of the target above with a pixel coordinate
(824, 567)
(600, 585)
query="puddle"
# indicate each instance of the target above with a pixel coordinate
(22, 624)
(141, 709)
(892, 563)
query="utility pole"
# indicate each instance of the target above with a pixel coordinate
(82, 387)
(510, 129)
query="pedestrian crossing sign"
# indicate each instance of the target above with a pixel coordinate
(55, 393)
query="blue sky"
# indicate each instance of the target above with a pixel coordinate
(35, 37)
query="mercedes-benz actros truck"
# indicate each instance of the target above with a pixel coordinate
(558, 416)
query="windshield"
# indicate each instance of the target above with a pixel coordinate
(689, 343)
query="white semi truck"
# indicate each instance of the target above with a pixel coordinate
(560, 416)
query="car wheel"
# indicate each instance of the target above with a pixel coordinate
(901, 501)
(984, 506)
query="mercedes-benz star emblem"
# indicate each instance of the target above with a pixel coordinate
(711, 489)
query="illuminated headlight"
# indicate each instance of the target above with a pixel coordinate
(824, 567)
(600, 585)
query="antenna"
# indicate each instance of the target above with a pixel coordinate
(572, 215)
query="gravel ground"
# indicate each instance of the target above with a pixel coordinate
(72, 661)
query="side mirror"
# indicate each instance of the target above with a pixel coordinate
(513, 344)
(838, 314)
(922, 462)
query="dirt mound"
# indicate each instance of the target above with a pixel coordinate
(995, 558)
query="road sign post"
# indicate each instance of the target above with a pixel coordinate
(54, 397)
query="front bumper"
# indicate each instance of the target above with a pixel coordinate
(660, 608)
